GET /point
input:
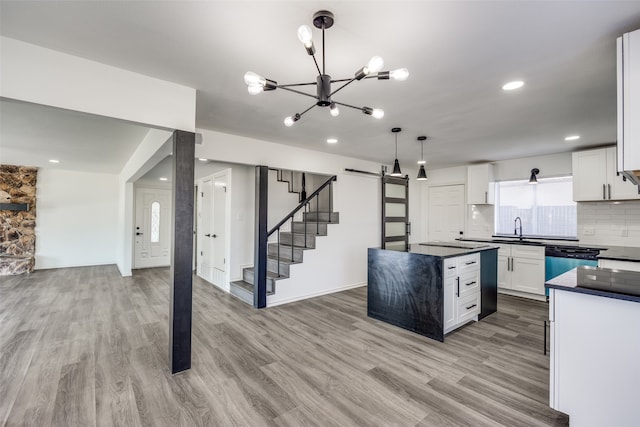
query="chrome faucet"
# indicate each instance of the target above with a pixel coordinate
(515, 225)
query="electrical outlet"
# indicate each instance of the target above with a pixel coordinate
(587, 231)
(624, 232)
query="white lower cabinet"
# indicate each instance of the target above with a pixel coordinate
(594, 372)
(619, 265)
(461, 290)
(521, 269)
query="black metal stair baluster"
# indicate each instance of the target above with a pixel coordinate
(292, 242)
(279, 251)
(330, 199)
(306, 211)
(317, 214)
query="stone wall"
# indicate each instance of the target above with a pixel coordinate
(17, 228)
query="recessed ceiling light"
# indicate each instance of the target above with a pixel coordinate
(163, 179)
(332, 141)
(202, 159)
(513, 85)
(572, 138)
(54, 161)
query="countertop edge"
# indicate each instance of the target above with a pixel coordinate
(595, 292)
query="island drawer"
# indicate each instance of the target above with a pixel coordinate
(469, 283)
(468, 263)
(468, 307)
(450, 267)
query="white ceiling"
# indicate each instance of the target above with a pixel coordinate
(458, 53)
(31, 135)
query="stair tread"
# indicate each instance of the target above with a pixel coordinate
(247, 286)
(270, 275)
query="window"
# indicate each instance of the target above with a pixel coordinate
(546, 209)
(155, 222)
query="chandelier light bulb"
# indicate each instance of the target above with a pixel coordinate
(334, 110)
(401, 74)
(305, 35)
(255, 89)
(374, 65)
(422, 162)
(253, 79)
(377, 113)
(288, 121)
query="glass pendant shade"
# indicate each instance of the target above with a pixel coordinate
(422, 174)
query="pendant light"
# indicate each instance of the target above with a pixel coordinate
(422, 173)
(534, 179)
(396, 164)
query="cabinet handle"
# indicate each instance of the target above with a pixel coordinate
(451, 267)
(486, 197)
(471, 306)
(511, 263)
(469, 262)
(458, 291)
(471, 283)
(609, 186)
(604, 192)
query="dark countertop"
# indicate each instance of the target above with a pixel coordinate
(620, 253)
(448, 249)
(604, 282)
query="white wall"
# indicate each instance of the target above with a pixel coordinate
(340, 260)
(43, 76)
(76, 220)
(152, 149)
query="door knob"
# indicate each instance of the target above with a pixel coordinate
(137, 234)
(207, 235)
(214, 236)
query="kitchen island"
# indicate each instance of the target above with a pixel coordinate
(595, 346)
(433, 288)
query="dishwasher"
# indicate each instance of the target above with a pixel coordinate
(559, 259)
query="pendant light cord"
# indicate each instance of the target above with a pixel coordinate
(396, 146)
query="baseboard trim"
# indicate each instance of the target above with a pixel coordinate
(522, 294)
(313, 295)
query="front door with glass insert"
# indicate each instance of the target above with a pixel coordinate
(395, 213)
(152, 227)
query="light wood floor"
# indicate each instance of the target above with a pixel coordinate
(84, 347)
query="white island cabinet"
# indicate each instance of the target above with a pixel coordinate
(461, 281)
(595, 358)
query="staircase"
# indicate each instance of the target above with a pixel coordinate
(286, 247)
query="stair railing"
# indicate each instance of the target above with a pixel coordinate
(306, 205)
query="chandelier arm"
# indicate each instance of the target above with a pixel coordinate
(298, 92)
(347, 105)
(316, 62)
(297, 84)
(341, 87)
(307, 109)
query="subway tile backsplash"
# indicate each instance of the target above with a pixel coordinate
(609, 223)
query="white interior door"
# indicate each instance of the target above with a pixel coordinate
(446, 212)
(219, 225)
(205, 230)
(152, 228)
(213, 224)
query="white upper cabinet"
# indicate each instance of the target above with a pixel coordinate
(595, 177)
(480, 184)
(629, 105)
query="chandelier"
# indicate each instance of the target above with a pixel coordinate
(324, 20)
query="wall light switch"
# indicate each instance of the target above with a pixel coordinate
(624, 232)
(587, 231)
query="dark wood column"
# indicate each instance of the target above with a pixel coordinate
(182, 256)
(260, 238)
